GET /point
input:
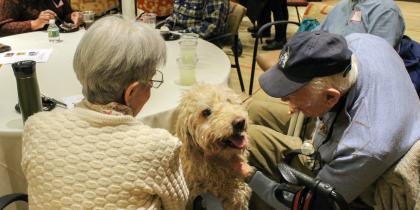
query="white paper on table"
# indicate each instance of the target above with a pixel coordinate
(70, 101)
(37, 55)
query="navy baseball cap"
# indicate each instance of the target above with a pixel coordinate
(305, 56)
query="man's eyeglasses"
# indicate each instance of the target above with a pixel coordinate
(157, 79)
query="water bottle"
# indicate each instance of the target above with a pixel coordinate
(27, 88)
(53, 31)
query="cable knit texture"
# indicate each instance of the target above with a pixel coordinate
(83, 159)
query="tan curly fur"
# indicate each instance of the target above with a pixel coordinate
(210, 118)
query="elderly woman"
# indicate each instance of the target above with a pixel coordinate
(20, 16)
(98, 155)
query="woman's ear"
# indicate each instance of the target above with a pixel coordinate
(332, 96)
(129, 92)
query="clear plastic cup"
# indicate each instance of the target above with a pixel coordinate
(188, 47)
(187, 71)
(88, 18)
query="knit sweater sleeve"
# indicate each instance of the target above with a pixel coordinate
(9, 15)
(173, 189)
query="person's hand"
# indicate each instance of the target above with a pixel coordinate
(42, 19)
(292, 109)
(243, 169)
(76, 17)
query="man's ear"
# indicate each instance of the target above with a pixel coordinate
(332, 96)
(129, 92)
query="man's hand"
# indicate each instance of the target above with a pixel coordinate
(42, 19)
(292, 109)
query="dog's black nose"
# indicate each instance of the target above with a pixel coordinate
(238, 125)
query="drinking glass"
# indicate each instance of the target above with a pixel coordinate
(186, 72)
(188, 47)
(88, 18)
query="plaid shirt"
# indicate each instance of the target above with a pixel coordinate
(204, 17)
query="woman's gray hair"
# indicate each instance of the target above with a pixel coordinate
(337, 81)
(114, 53)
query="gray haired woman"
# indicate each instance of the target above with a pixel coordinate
(98, 155)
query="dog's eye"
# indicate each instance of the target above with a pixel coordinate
(206, 112)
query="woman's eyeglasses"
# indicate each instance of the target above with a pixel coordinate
(157, 79)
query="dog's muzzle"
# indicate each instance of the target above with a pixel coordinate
(238, 140)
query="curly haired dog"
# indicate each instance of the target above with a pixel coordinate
(211, 125)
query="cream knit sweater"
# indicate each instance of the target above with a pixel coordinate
(83, 159)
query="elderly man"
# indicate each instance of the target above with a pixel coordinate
(382, 18)
(368, 112)
(207, 18)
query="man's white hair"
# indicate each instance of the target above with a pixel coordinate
(336, 81)
(114, 53)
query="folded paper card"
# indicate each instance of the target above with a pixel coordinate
(37, 55)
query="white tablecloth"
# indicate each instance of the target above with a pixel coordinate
(57, 79)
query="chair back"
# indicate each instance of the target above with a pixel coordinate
(236, 13)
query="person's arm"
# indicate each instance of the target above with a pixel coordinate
(367, 148)
(9, 13)
(330, 19)
(169, 22)
(215, 13)
(173, 189)
(351, 175)
(68, 12)
(389, 25)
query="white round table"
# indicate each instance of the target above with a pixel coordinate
(57, 79)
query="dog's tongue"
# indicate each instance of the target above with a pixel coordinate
(239, 141)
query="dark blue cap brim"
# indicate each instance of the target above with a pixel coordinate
(276, 84)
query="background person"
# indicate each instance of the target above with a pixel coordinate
(98, 154)
(368, 112)
(207, 18)
(20, 16)
(382, 18)
(260, 11)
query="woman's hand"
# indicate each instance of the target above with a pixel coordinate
(76, 18)
(42, 19)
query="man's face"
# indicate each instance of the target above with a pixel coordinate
(310, 103)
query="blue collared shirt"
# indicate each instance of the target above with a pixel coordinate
(379, 123)
(382, 18)
(204, 17)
